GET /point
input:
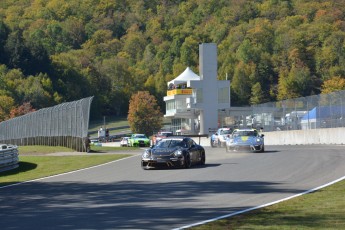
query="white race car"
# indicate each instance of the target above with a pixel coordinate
(221, 136)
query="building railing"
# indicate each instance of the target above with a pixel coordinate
(179, 92)
(172, 112)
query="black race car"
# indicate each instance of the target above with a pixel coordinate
(173, 152)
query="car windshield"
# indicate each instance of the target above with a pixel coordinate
(225, 131)
(170, 143)
(140, 136)
(240, 133)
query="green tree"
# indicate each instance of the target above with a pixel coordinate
(17, 53)
(144, 115)
(6, 105)
(134, 45)
(290, 47)
(33, 89)
(331, 57)
(246, 52)
(273, 9)
(115, 85)
(69, 79)
(241, 84)
(3, 37)
(257, 96)
(189, 51)
(11, 80)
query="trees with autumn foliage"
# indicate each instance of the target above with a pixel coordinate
(333, 84)
(53, 51)
(144, 115)
(23, 109)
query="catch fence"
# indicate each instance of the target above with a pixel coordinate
(312, 112)
(63, 125)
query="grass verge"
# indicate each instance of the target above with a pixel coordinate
(34, 166)
(323, 209)
(100, 149)
(40, 149)
(110, 122)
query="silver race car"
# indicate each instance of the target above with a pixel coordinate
(245, 139)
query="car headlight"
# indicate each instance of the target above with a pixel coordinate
(258, 140)
(178, 153)
(146, 154)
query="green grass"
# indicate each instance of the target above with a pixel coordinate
(100, 149)
(42, 149)
(323, 209)
(33, 166)
(39, 149)
(110, 122)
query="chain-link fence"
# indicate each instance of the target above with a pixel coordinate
(313, 112)
(63, 125)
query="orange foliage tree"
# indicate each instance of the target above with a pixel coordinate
(333, 84)
(144, 115)
(22, 110)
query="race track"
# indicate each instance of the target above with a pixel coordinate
(121, 195)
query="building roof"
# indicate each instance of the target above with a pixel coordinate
(185, 76)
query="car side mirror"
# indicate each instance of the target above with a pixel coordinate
(262, 135)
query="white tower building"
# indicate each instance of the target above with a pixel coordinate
(193, 102)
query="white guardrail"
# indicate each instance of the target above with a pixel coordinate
(8, 157)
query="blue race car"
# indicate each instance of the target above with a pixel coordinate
(245, 139)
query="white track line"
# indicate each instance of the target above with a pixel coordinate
(261, 206)
(96, 166)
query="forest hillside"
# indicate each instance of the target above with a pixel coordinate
(53, 51)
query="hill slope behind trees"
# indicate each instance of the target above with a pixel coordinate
(53, 51)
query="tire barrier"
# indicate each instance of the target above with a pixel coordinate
(8, 157)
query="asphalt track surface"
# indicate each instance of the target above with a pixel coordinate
(121, 195)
